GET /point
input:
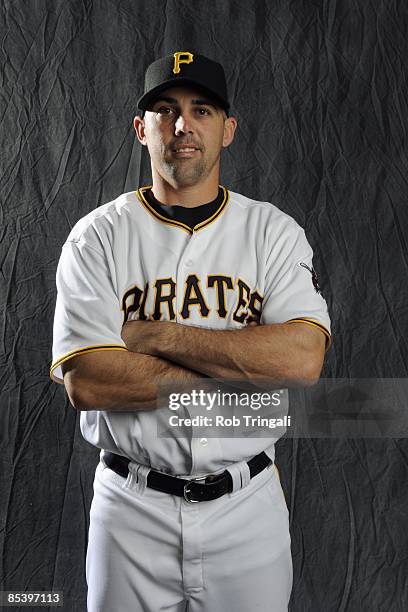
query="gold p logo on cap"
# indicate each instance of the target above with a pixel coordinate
(181, 57)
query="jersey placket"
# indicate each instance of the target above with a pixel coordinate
(186, 266)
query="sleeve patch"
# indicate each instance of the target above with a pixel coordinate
(314, 277)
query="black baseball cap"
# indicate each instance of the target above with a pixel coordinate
(185, 68)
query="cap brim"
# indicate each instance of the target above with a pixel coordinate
(151, 95)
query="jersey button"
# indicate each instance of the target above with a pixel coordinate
(189, 262)
(203, 441)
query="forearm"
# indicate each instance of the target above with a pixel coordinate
(280, 352)
(120, 381)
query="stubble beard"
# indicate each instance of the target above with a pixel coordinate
(187, 172)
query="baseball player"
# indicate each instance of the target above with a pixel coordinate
(169, 283)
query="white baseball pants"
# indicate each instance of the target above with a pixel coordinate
(153, 552)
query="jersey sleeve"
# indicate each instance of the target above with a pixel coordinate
(292, 293)
(87, 316)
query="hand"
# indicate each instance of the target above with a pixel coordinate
(252, 323)
(143, 336)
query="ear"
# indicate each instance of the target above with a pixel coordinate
(138, 124)
(230, 125)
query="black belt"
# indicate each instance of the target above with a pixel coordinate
(203, 488)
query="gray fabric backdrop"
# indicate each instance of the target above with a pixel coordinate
(320, 93)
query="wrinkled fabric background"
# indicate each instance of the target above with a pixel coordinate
(319, 89)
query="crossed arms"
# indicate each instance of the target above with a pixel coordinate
(164, 351)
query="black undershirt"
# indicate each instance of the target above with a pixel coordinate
(189, 216)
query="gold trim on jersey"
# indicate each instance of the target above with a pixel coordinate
(217, 213)
(82, 351)
(317, 324)
(183, 226)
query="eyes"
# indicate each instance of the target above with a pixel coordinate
(168, 111)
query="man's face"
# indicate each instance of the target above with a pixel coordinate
(185, 131)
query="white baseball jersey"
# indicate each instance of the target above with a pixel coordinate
(126, 260)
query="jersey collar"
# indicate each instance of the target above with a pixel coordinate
(223, 199)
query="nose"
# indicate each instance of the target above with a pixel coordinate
(182, 125)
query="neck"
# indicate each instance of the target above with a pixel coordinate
(190, 196)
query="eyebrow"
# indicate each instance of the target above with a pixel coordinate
(196, 102)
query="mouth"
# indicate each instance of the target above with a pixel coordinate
(185, 149)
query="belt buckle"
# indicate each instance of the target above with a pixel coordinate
(187, 491)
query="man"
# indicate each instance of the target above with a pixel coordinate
(181, 280)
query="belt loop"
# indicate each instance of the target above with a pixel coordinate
(102, 460)
(137, 477)
(240, 475)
